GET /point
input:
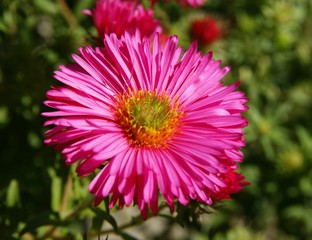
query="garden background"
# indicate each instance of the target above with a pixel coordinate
(268, 44)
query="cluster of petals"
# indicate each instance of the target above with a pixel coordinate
(205, 30)
(118, 16)
(192, 3)
(234, 183)
(196, 159)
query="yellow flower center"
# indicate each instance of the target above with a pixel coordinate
(148, 119)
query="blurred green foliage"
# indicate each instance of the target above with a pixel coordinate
(267, 43)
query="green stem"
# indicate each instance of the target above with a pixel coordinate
(67, 13)
(135, 221)
(70, 216)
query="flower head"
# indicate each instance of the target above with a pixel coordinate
(117, 16)
(193, 3)
(157, 120)
(205, 31)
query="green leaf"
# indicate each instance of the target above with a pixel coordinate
(126, 236)
(13, 194)
(56, 193)
(4, 111)
(106, 216)
(47, 6)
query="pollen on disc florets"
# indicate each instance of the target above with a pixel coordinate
(148, 119)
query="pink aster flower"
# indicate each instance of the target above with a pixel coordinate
(117, 16)
(155, 119)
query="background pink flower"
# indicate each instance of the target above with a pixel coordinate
(184, 3)
(156, 120)
(117, 16)
(205, 31)
(234, 183)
